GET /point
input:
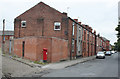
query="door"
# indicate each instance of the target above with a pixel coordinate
(79, 48)
(23, 48)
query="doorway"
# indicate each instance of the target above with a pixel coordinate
(23, 48)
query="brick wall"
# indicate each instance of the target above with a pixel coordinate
(41, 23)
(7, 38)
(107, 45)
(57, 48)
(7, 46)
(0, 41)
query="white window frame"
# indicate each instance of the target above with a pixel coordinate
(11, 37)
(22, 24)
(59, 23)
(79, 28)
(73, 27)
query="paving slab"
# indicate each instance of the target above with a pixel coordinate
(67, 63)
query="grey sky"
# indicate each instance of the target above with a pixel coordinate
(101, 15)
(119, 8)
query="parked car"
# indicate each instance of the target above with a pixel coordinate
(112, 52)
(115, 51)
(100, 55)
(108, 53)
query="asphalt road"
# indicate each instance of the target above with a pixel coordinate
(107, 67)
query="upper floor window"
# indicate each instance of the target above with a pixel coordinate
(23, 23)
(79, 28)
(73, 25)
(11, 37)
(87, 35)
(57, 25)
(84, 34)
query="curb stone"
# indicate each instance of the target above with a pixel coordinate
(70, 63)
(80, 62)
(29, 64)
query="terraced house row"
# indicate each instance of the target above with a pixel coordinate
(64, 38)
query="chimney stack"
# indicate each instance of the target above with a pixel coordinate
(76, 20)
(95, 32)
(91, 29)
(64, 13)
(79, 23)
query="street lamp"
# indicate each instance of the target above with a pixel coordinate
(3, 36)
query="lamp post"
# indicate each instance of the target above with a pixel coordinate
(3, 36)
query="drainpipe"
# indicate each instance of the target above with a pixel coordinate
(95, 43)
(3, 39)
(71, 42)
(19, 27)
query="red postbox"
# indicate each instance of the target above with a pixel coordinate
(44, 55)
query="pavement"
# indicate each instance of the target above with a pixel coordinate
(20, 67)
(58, 65)
(68, 63)
(13, 68)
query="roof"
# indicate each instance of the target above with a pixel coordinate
(42, 4)
(80, 25)
(7, 32)
(105, 39)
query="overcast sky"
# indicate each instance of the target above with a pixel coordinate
(101, 15)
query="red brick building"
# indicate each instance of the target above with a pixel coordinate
(44, 27)
(103, 44)
(33, 47)
(7, 36)
(89, 42)
(107, 45)
(42, 20)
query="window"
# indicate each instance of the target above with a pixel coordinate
(84, 34)
(79, 28)
(57, 26)
(11, 37)
(72, 45)
(4, 38)
(73, 29)
(23, 23)
(87, 35)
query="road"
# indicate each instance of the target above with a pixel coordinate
(107, 67)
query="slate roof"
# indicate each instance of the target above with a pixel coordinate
(7, 33)
(105, 39)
